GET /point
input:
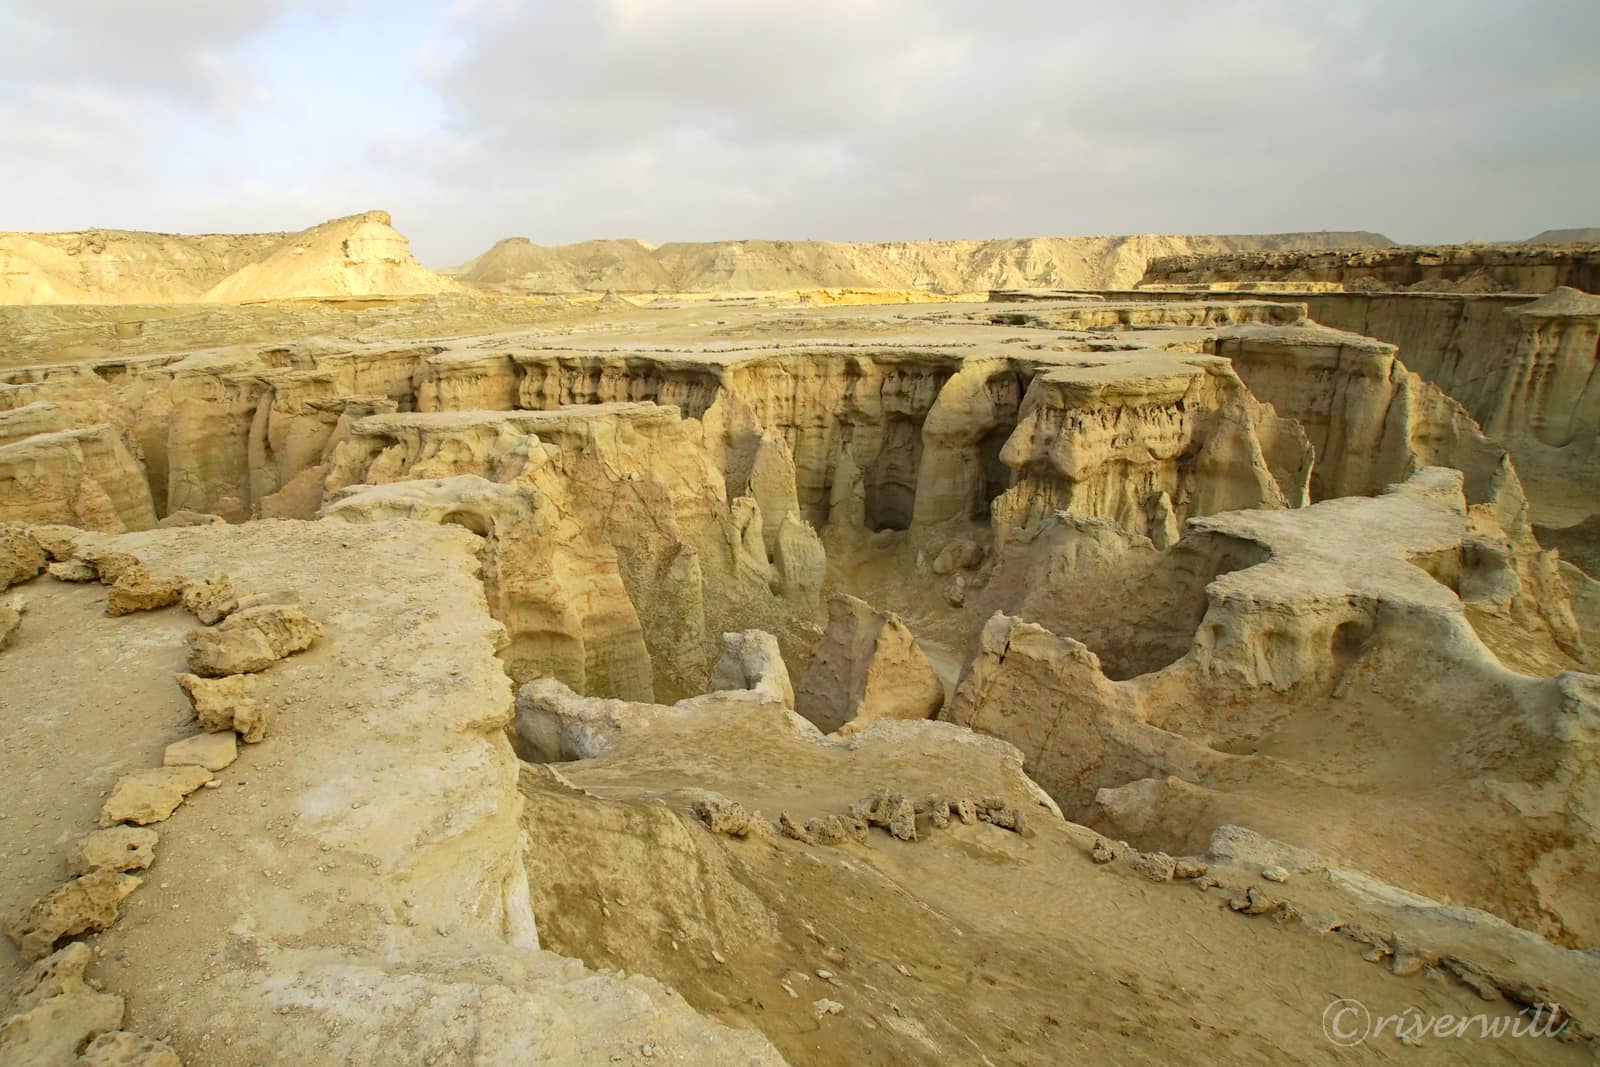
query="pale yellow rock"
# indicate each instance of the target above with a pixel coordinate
(251, 640)
(88, 902)
(52, 1032)
(212, 599)
(144, 797)
(867, 666)
(60, 972)
(10, 619)
(213, 751)
(227, 703)
(136, 590)
(118, 848)
(752, 660)
(109, 566)
(73, 570)
(85, 476)
(21, 557)
(122, 1048)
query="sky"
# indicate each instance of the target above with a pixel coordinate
(694, 120)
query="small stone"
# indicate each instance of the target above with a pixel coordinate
(212, 599)
(53, 1031)
(144, 797)
(826, 1007)
(1187, 868)
(109, 566)
(83, 904)
(1275, 874)
(135, 590)
(21, 557)
(251, 640)
(58, 973)
(724, 816)
(211, 751)
(10, 620)
(1253, 902)
(1101, 851)
(73, 570)
(122, 1048)
(120, 848)
(1156, 866)
(789, 828)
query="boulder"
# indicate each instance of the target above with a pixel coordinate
(145, 797)
(213, 751)
(867, 666)
(83, 904)
(135, 590)
(251, 640)
(21, 557)
(211, 599)
(118, 848)
(226, 704)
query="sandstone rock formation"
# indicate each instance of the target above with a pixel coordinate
(945, 266)
(357, 256)
(1298, 633)
(548, 609)
(867, 666)
(1520, 268)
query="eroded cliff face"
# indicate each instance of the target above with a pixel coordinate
(1316, 633)
(1148, 449)
(1461, 268)
(740, 461)
(1155, 549)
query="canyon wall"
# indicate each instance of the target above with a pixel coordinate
(1454, 268)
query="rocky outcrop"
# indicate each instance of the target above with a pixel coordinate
(1148, 442)
(621, 495)
(357, 256)
(1400, 613)
(1370, 421)
(1463, 268)
(81, 477)
(517, 264)
(867, 666)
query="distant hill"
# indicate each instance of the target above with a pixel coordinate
(1585, 236)
(945, 266)
(356, 256)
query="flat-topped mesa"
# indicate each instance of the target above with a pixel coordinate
(1405, 617)
(1148, 440)
(1461, 268)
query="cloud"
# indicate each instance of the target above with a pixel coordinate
(698, 119)
(871, 119)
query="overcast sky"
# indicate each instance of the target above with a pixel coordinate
(841, 119)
